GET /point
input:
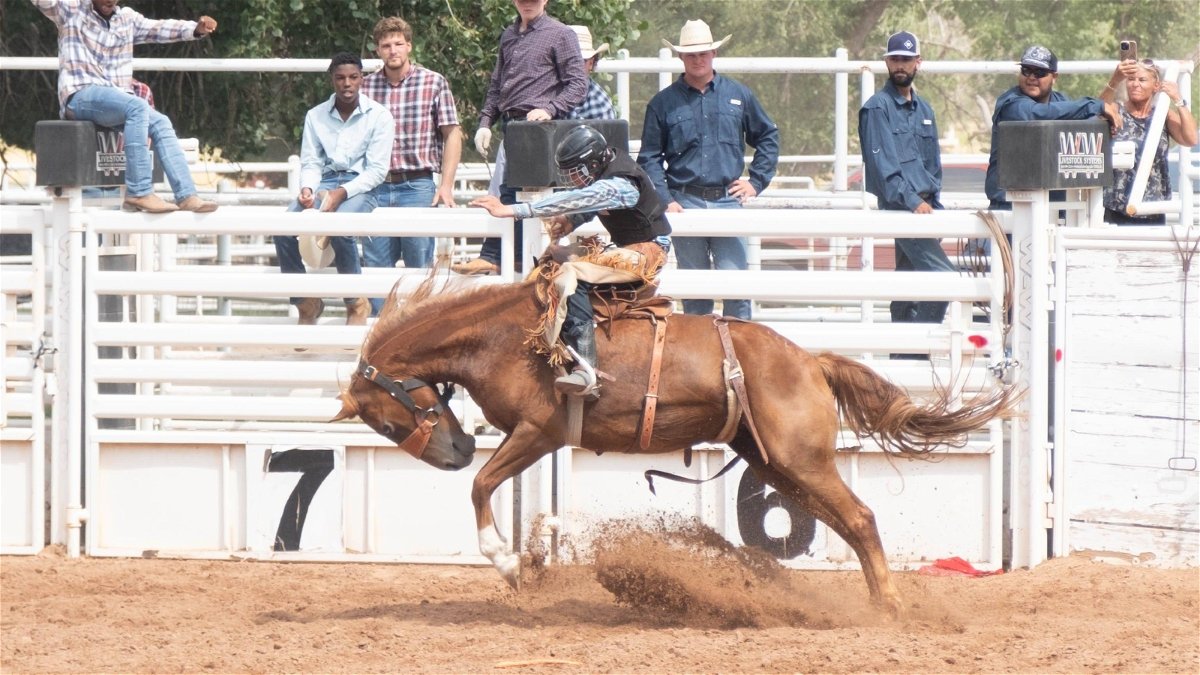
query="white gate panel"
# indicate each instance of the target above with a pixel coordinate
(20, 490)
(216, 500)
(931, 509)
(1131, 487)
(924, 510)
(151, 499)
(425, 513)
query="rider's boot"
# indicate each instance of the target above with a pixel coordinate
(581, 381)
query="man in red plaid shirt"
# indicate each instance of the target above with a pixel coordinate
(427, 141)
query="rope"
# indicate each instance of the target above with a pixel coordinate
(978, 264)
(1186, 251)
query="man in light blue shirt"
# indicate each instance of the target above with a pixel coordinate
(345, 153)
(903, 167)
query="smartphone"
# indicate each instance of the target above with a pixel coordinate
(1128, 50)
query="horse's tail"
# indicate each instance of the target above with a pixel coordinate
(876, 408)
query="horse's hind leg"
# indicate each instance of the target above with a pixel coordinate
(819, 489)
(519, 450)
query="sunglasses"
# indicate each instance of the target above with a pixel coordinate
(1039, 73)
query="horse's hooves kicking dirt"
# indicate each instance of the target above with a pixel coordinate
(688, 572)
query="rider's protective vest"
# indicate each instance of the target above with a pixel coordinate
(647, 219)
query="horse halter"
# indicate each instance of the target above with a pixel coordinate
(398, 390)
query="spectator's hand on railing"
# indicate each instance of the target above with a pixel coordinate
(923, 208)
(674, 207)
(444, 195)
(306, 198)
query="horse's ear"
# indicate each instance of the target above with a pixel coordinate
(349, 410)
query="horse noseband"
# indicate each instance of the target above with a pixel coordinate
(416, 441)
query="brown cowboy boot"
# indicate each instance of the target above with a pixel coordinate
(148, 203)
(478, 266)
(197, 205)
(357, 312)
(310, 310)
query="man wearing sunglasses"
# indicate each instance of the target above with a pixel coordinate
(1032, 99)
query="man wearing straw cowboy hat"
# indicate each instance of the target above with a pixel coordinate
(596, 103)
(695, 155)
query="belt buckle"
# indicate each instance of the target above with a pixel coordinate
(712, 194)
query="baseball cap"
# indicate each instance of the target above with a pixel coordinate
(1040, 57)
(903, 43)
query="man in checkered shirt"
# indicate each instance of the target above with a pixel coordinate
(428, 141)
(596, 103)
(95, 76)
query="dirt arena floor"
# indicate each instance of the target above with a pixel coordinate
(636, 609)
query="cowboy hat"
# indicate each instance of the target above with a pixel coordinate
(315, 251)
(585, 42)
(695, 36)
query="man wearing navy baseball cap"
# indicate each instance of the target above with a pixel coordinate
(893, 125)
(1034, 98)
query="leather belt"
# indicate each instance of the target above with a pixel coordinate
(405, 176)
(708, 194)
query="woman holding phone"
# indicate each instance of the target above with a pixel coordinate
(1142, 82)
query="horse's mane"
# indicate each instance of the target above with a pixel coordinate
(430, 299)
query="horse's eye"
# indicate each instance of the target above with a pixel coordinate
(387, 429)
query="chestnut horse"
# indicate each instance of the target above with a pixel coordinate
(477, 339)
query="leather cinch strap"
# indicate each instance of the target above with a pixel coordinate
(651, 404)
(737, 379)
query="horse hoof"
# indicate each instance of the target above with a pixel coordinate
(509, 568)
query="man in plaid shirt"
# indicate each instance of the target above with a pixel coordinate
(95, 76)
(596, 103)
(427, 141)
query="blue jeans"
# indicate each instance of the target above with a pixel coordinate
(345, 249)
(920, 255)
(705, 253)
(111, 107)
(386, 251)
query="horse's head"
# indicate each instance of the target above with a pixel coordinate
(409, 412)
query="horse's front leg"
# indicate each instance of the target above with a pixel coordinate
(524, 446)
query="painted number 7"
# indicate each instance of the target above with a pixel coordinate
(313, 465)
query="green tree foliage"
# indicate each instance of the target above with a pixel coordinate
(244, 114)
(953, 30)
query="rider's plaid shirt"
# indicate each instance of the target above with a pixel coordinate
(96, 51)
(420, 103)
(596, 105)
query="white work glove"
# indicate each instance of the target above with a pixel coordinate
(483, 140)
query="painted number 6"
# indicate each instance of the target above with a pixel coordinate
(753, 505)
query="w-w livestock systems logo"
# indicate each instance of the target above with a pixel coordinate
(1080, 152)
(110, 151)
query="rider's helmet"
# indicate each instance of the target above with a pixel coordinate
(581, 155)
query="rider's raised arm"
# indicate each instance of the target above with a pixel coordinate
(610, 193)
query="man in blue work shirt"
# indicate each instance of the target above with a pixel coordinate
(699, 127)
(903, 167)
(1034, 98)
